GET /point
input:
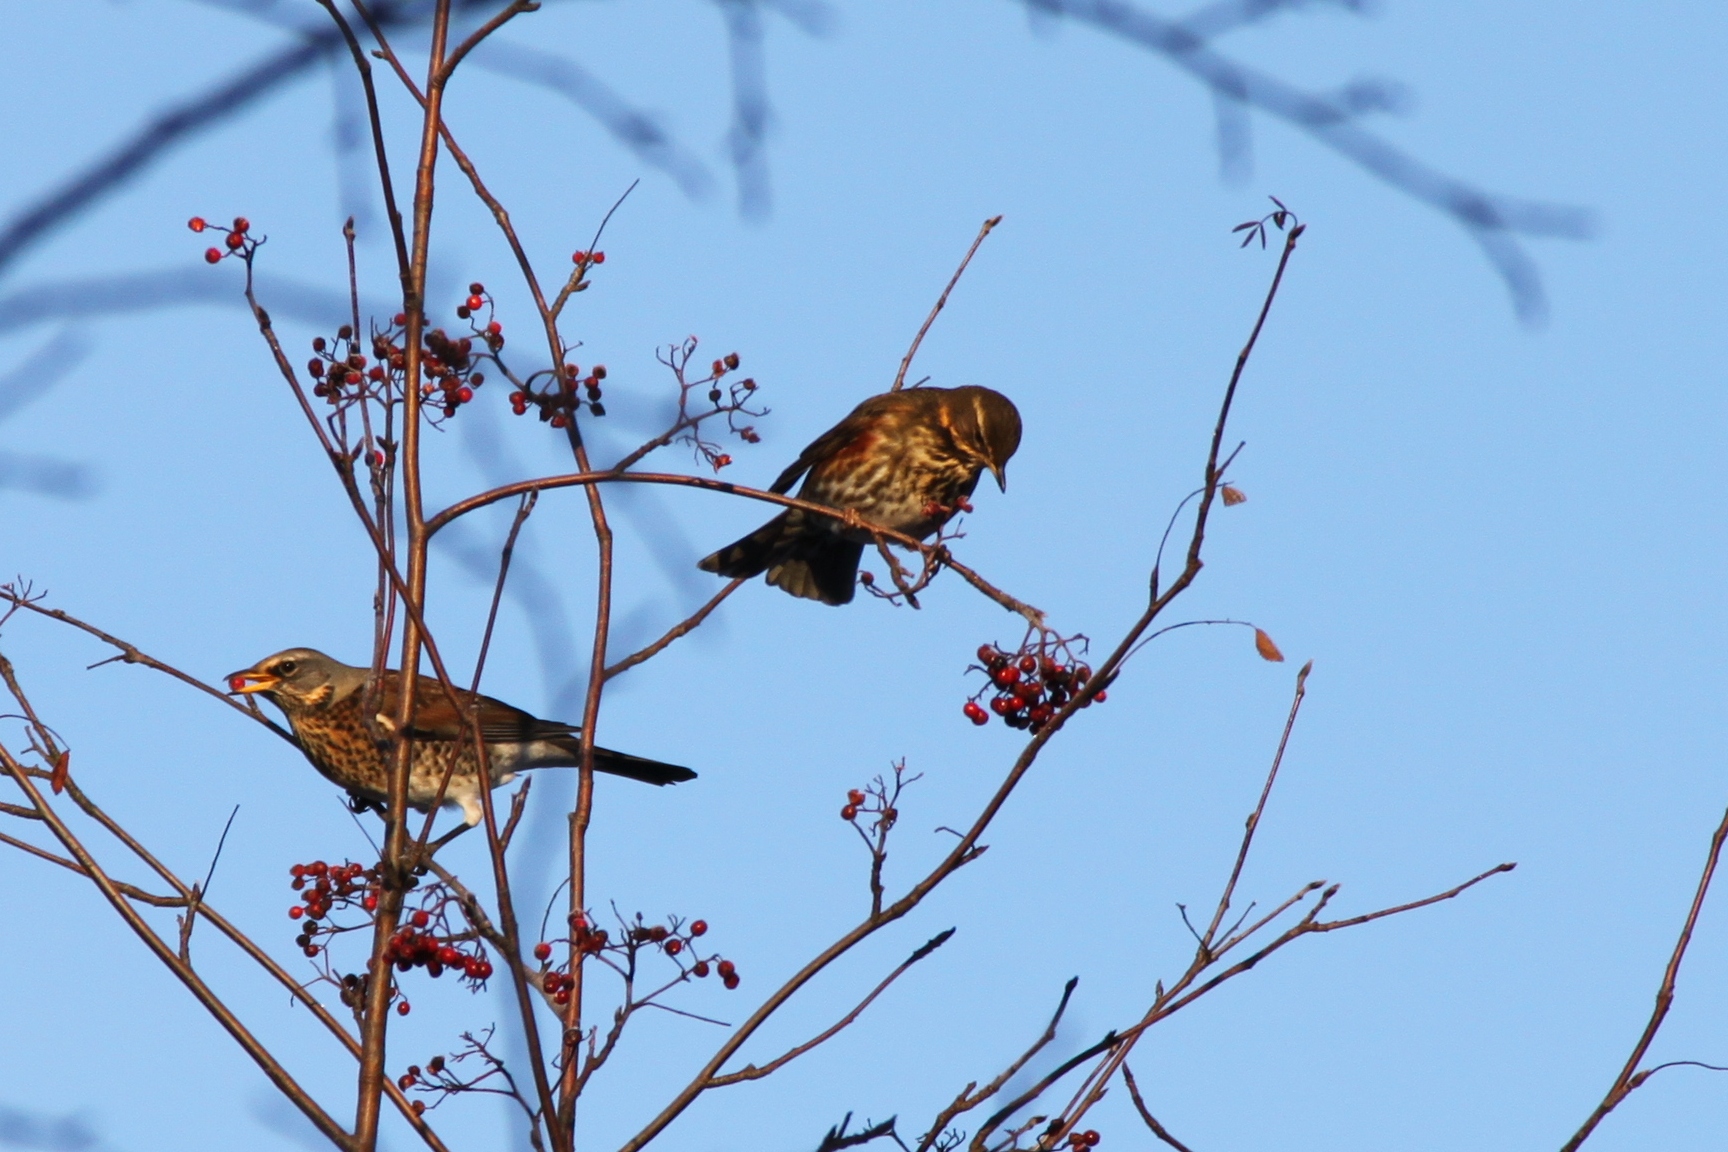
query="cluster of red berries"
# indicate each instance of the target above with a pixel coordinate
(413, 946)
(237, 242)
(325, 887)
(674, 940)
(1080, 1141)
(558, 404)
(586, 258)
(731, 401)
(1029, 687)
(342, 370)
(858, 802)
(434, 1067)
(729, 363)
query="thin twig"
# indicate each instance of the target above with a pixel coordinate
(130, 654)
(968, 1099)
(1630, 1079)
(754, 1072)
(1253, 822)
(906, 362)
(688, 625)
(1158, 1129)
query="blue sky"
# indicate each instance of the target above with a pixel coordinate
(1501, 545)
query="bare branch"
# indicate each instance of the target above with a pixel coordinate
(906, 361)
(683, 628)
(1158, 1129)
(1630, 1078)
(753, 1072)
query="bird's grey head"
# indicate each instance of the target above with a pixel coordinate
(298, 677)
(987, 423)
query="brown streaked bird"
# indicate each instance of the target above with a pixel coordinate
(322, 699)
(903, 460)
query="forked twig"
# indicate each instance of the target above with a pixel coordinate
(1630, 1079)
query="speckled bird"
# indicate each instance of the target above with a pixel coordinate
(903, 460)
(322, 699)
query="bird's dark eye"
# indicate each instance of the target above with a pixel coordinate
(286, 668)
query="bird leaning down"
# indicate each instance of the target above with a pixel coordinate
(902, 460)
(322, 699)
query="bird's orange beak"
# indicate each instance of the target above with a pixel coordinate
(250, 680)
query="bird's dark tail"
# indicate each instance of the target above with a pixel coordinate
(821, 568)
(634, 767)
(753, 554)
(816, 565)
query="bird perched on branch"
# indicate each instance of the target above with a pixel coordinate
(903, 460)
(322, 699)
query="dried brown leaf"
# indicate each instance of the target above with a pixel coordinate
(1232, 496)
(1263, 645)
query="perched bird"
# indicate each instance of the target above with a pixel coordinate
(322, 699)
(903, 460)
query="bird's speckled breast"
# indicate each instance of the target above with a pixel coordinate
(335, 740)
(896, 488)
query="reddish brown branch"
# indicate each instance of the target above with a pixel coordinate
(1630, 1079)
(213, 1004)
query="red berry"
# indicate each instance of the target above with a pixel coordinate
(421, 919)
(1028, 664)
(212, 255)
(1006, 675)
(855, 796)
(542, 951)
(976, 714)
(196, 224)
(558, 420)
(399, 319)
(419, 1106)
(296, 912)
(698, 927)
(241, 224)
(1091, 1137)
(476, 288)
(1002, 705)
(402, 1010)
(475, 303)
(1100, 697)
(599, 257)
(561, 997)
(987, 654)
(599, 371)
(578, 257)
(850, 812)
(494, 328)
(464, 394)
(297, 871)
(727, 968)
(700, 968)
(234, 240)
(480, 968)
(674, 946)
(370, 903)
(731, 982)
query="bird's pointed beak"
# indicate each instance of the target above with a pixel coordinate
(1001, 475)
(250, 680)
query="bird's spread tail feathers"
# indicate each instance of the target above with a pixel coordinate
(753, 554)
